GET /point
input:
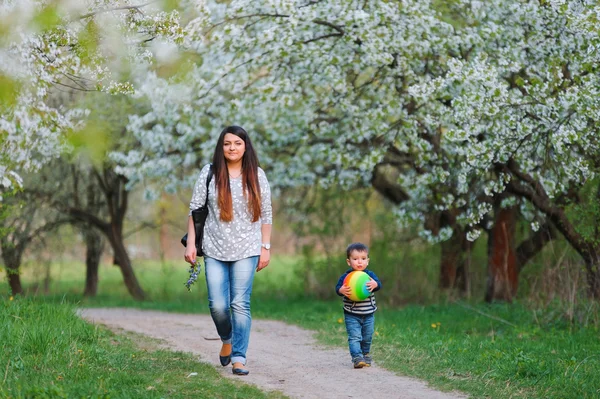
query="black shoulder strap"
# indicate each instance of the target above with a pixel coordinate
(208, 178)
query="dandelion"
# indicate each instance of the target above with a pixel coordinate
(340, 320)
(194, 270)
(11, 298)
(438, 324)
(433, 325)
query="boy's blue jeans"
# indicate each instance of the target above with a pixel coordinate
(360, 330)
(229, 287)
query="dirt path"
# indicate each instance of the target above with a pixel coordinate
(281, 357)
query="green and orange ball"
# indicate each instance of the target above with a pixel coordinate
(357, 280)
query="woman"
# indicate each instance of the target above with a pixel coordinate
(236, 238)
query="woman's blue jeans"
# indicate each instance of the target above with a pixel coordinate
(229, 287)
(360, 330)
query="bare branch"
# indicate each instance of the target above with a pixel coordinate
(133, 7)
(71, 87)
(331, 25)
(232, 69)
(142, 226)
(314, 39)
(310, 3)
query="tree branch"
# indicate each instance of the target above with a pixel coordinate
(134, 7)
(535, 194)
(142, 226)
(83, 216)
(331, 25)
(534, 244)
(314, 39)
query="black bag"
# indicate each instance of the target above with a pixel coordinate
(199, 216)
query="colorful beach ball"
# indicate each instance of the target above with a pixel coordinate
(357, 280)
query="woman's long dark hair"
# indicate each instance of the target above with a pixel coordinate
(250, 184)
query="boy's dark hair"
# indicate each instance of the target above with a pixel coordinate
(356, 246)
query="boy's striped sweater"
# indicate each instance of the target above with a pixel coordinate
(364, 307)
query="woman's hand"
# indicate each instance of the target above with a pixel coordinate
(190, 253)
(190, 249)
(265, 257)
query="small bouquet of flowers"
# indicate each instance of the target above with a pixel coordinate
(194, 270)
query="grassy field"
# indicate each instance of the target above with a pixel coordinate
(50, 353)
(487, 351)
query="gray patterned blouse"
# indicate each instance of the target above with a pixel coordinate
(240, 238)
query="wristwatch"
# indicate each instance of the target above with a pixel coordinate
(266, 246)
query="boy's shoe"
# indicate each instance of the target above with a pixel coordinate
(359, 362)
(368, 360)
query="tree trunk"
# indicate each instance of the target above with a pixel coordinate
(116, 196)
(592, 269)
(94, 248)
(47, 278)
(503, 275)
(163, 234)
(449, 262)
(534, 244)
(454, 268)
(124, 263)
(463, 279)
(528, 187)
(12, 261)
(114, 235)
(14, 280)
(454, 263)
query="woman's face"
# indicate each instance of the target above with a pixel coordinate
(233, 148)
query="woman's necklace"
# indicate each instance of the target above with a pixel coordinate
(235, 177)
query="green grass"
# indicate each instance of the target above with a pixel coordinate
(162, 282)
(487, 351)
(48, 352)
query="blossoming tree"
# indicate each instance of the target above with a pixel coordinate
(52, 54)
(460, 117)
(326, 86)
(525, 110)
(353, 93)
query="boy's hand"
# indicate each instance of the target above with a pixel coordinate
(345, 290)
(371, 285)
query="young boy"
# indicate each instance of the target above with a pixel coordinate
(359, 316)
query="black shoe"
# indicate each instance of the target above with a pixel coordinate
(359, 362)
(240, 371)
(225, 360)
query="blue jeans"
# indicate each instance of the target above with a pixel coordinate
(229, 287)
(360, 330)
